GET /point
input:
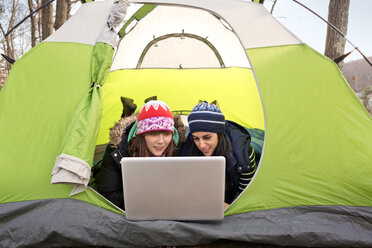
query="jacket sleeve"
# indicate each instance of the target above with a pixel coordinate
(247, 173)
(243, 153)
(109, 179)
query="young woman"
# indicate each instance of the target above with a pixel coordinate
(211, 135)
(155, 132)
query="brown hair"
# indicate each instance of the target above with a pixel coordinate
(178, 124)
(221, 148)
(137, 146)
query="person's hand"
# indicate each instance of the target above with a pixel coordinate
(225, 205)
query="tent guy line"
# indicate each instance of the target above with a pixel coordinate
(339, 59)
(11, 60)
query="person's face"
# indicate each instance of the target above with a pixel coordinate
(206, 142)
(157, 142)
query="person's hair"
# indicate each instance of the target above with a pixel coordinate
(180, 127)
(137, 146)
(220, 150)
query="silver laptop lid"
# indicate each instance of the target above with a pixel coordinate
(174, 188)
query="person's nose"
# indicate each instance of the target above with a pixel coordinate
(202, 143)
(160, 138)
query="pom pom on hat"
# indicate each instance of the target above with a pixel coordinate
(155, 115)
(206, 117)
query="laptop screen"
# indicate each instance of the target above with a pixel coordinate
(174, 188)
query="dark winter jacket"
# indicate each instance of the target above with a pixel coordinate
(107, 176)
(240, 159)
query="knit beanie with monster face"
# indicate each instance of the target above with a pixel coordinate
(155, 115)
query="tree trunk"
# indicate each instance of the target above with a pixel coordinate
(46, 20)
(338, 15)
(69, 5)
(33, 23)
(61, 13)
(38, 20)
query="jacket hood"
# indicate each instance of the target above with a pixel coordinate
(117, 130)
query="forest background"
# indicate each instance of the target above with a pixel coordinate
(46, 21)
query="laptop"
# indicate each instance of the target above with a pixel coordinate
(174, 188)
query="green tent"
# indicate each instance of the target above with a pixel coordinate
(312, 187)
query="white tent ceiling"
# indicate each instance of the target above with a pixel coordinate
(187, 51)
(253, 24)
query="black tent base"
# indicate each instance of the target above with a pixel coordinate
(69, 222)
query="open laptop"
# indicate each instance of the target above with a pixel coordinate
(174, 188)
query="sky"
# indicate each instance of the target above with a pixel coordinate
(312, 30)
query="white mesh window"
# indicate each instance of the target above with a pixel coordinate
(186, 53)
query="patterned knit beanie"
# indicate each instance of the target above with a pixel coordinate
(206, 117)
(155, 115)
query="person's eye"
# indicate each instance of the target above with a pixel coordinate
(195, 138)
(207, 137)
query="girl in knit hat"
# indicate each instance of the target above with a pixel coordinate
(212, 135)
(153, 132)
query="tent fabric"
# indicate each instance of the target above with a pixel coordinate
(311, 187)
(37, 105)
(326, 226)
(138, 15)
(85, 25)
(71, 170)
(84, 128)
(181, 89)
(157, 24)
(245, 18)
(116, 16)
(34, 117)
(159, 55)
(31, 114)
(325, 139)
